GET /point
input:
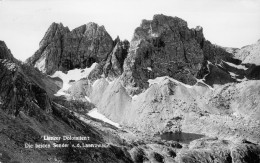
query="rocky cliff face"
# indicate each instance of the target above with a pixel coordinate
(115, 61)
(165, 46)
(18, 93)
(47, 58)
(62, 49)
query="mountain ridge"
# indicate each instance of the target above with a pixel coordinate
(188, 48)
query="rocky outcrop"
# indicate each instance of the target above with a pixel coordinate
(62, 49)
(218, 75)
(249, 54)
(165, 46)
(114, 63)
(213, 150)
(18, 93)
(112, 67)
(5, 53)
(47, 58)
(204, 150)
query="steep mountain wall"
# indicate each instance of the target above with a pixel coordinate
(165, 46)
(62, 49)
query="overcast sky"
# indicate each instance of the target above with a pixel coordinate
(231, 23)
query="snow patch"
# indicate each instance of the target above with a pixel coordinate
(156, 80)
(159, 80)
(204, 78)
(233, 74)
(72, 75)
(61, 93)
(236, 66)
(95, 114)
(149, 68)
(241, 80)
(109, 81)
(83, 119)
(209, 63)
(40, 64)
(86, 97)
(134, 97)
(202, 81)
(95, 82)
(154, 35)
(219, 65)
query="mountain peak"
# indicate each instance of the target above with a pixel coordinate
(199, 28)
(62, 49)
(169, 20)
(159, 24)
(54, 31)
(165, 46)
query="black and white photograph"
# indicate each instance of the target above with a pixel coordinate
(129, 81)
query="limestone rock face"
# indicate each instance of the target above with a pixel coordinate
(218, 75)
(18, 93)
(62, 49)
(85, 45)
(47, 58)
(165, 46)
(114, 63)
(21, 92)
(112, 67)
